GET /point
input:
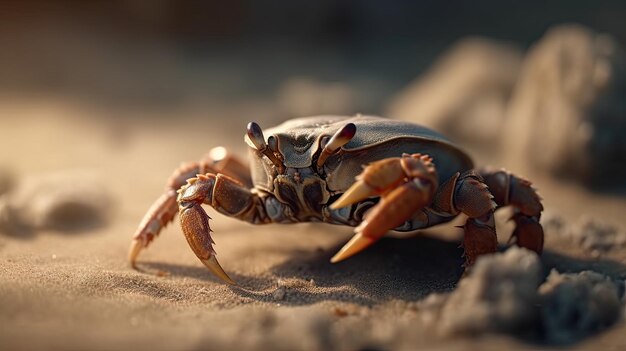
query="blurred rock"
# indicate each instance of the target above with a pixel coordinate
(299, 97)
(575, 305)
(567, 114)
(65, 201)
(591, 234)
(595, 235)
(502, 293)
(499, 295)
(465, 93)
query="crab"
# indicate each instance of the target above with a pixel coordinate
(372, 173)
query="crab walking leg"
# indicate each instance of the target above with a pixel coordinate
(164, 209)
(473, 198)
(518, 192)
(226, 195)
(405, 184)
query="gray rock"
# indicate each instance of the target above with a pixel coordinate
(502, 294)
(468, 86)
(594, 235)
(499, 295)
(566, 115)
(63, 201)
(575, 305)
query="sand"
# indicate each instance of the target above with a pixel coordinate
(75, 290)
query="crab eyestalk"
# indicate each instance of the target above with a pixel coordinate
(255, 133)
(339, 139)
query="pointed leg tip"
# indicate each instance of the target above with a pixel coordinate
(358, 243)
(336, 258)
(214, 266)
(135, 248)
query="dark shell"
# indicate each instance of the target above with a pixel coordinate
(375, 138)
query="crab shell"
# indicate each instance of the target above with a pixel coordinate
(298, 141)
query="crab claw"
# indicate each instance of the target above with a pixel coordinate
(357, 192)
(216, 269)
(405, 184)
(376, 179)
(392, 210)
(195, 224)
(358, 243)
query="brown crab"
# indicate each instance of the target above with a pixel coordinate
(310, 170)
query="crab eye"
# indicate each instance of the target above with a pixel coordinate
(324, 141)
(272, 143)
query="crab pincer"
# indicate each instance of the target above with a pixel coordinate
(405, 184)
(195, 222)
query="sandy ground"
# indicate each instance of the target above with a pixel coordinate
(76, 290)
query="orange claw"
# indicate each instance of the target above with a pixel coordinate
(398, 203)
(195, 223)
(376, 179)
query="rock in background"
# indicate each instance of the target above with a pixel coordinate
(65, 201)
(568, 112)
(465, 93)
(561, 110)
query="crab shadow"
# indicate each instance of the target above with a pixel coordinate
(406, 269)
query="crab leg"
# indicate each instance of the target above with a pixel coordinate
(518, 192)
(478, 196)
(164, 209)
(405, 184)
(224, 194)
(472, 197)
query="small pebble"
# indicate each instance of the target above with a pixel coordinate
(279, 294)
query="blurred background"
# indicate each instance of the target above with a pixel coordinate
(454, 65)
(167, 54)
(536, 87)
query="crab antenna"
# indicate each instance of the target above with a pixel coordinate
(341, 138)
(255, 133)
